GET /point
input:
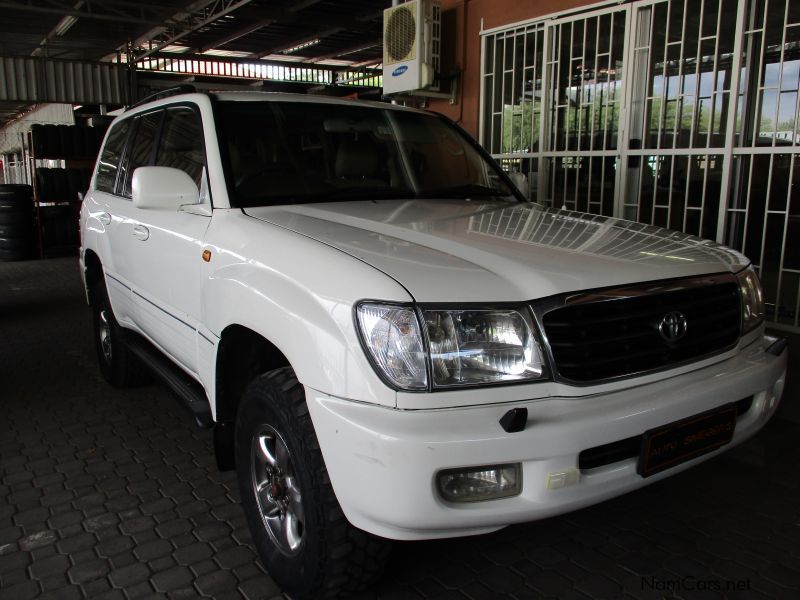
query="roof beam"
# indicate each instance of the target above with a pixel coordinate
(247, 60)
(350, 25)
(322, 34)
(345, 51)
(235, 35)
(126, 7)
(58, 30)
(200, 18)
(160, 27)
(370, 62)
(88, 11)
(274, 17)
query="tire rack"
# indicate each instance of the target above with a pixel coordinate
(42, 204)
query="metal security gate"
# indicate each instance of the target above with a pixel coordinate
(511, 99)
(551, 106)
(676, 165)
(677, 113)
(763, 210)
(585, 67)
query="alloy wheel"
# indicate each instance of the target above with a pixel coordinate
(277, 491)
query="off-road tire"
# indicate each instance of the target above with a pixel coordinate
(120, 367)
(335, 559)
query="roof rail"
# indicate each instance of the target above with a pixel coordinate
(184, 88)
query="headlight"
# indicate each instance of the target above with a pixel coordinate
(752, 299)
(462, 347)
(470, 347)
(392, 339)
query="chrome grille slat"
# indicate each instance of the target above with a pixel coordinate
(600, 336)
(723, 316)
(652, 314)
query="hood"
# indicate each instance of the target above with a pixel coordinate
(470, 251)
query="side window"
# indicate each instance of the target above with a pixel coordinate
(181, 144)
(141, 148)
(108, 164)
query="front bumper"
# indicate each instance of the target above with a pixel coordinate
(383, 462)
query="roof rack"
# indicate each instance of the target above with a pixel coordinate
(184, 88)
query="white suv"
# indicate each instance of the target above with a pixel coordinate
(390, 341)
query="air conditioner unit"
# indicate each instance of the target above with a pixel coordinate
(411, 46)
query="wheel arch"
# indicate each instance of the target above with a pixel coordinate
(92, 271)
(242, 355)
(313, 328)
(266, 317)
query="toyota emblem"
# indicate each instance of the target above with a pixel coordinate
(673, 326)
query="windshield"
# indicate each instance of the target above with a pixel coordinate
(296, 152)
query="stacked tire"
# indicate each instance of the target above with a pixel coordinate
(66, 141)
(59, 224)
(61, 185)
(17, 239)
(59, 190)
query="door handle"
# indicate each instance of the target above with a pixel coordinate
(140, 232)
(104, 218)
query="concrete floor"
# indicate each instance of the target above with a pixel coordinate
(790, 405)
(114, 494)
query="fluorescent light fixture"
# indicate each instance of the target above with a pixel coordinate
(64, 25)
(175, 48)
(302, 46)
(230, 53)
(283, 58)
(335, 62)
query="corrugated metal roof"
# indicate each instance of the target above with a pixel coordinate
(349, 31)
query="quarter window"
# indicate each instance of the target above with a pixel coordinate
(141, 149)
(181, 145)
(108, 164)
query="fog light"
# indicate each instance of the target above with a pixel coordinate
(474, 484)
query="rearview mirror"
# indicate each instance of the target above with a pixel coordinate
(164, 188)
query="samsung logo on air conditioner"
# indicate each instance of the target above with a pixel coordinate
(399, 70)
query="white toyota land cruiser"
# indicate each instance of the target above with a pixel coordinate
(390, 341)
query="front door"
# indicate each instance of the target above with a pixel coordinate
(167, 244)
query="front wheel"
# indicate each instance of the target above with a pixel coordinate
(298, 527)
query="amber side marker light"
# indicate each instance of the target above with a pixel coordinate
(207, 255)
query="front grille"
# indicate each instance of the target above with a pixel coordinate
(611, 334)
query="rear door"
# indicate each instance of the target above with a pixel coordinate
(108, 211)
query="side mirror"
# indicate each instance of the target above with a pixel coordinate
(164, 188)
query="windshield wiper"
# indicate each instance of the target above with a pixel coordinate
(470, 190)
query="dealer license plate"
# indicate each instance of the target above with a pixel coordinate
(672, 444)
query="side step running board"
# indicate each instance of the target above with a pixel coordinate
(187, 389)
